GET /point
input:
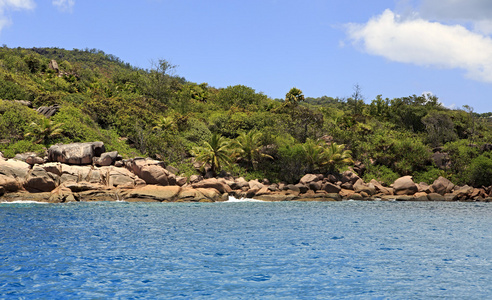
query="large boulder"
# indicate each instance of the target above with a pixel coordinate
(48, 111)
(155, 174)
(239, 184)
(213, 183)
(13, 174)
(291, 189)
(53, 65)
(196, 178)
(181, 180)
(302, 188)
(330, 188)
(360, 186)
(53, 167)
(308, 178)
(77, 187)
(442, 186)
(380, 188)
(120, 177)
(31, 158)
(153, 193)
(421, 196)
(40, 181)
(211, 195)
(255, 184)
(15, 168)
(435, 197)
(190, 194)
(9, 184)
(405, 186)
(349, 176)
(62, 194)
(315, 186)
(152, 171)
(106, 159)
(76, 153)
(75, 173)
(463, 192)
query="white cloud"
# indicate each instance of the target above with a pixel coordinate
(64, 5)
(471, 10)
(16, 4)
(421, 42)
(8, 5)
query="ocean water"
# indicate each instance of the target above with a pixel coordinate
(246, 250)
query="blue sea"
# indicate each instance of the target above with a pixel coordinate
(246, 250)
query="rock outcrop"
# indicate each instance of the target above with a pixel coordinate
(48, 111)
(405, 186)
(76, 153)
(442, 186)
(85, 172)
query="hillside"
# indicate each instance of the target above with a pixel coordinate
(158, 114)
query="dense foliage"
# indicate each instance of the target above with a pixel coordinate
(234, 129)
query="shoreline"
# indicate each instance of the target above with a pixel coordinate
(85, 172)
(44, 198)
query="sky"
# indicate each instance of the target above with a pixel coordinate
(393, 48)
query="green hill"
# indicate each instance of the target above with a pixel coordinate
(158, 114)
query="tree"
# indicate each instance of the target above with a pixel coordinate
(240, 96)
(480, 170)
(294, 96)
(356, 101)
(440, 128)
(44, 132)
(314, 151)
(471, 119)
(165, 124)
(335, 156)
(320, 155)
(305, 122)
(380, 108)
(162, 81)
(215, 152)
(248, 148)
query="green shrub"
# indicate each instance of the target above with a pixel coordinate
(14, 119)
(461, 154)
(380, 173)
(290, 163)
(428, 176)
(76, 99)
(185, 167)
(411, 155)
(197, 131)
(113, 142)
(22, 147)
(10, 89)
(480, 171)
(77, 126)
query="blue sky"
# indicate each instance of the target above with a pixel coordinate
(324, 47)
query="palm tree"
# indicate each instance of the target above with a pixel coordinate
(294, 96)
(314, 151)
(335, 156)
(45, 131)
(215, 152)
(165, 124)
(247, 147)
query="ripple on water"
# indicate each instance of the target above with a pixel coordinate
(246, 250)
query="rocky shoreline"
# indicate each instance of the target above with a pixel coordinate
(86, 172)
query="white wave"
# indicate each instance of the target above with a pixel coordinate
(234, 199)
(23, 202)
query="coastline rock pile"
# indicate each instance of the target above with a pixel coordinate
(86, 172)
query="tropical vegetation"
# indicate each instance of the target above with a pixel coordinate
(235, 129)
